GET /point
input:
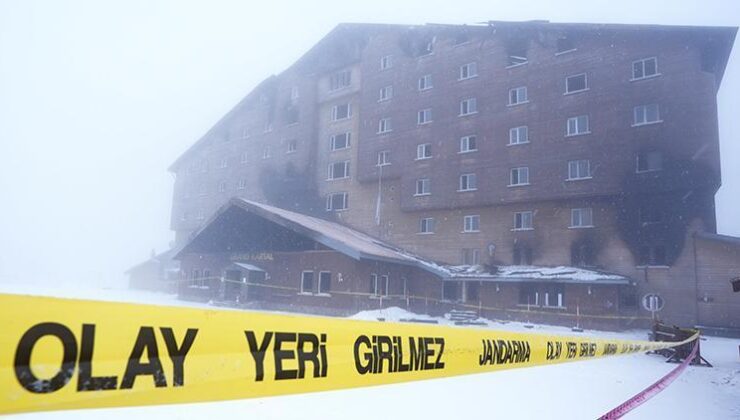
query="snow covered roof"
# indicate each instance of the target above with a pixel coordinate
(248, 267)
(359, 245)
(528, 273)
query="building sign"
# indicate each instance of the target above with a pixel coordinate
(260, 256)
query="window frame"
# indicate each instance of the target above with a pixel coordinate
(302, 290)
(386, 62)
(332, 176)
(465, 68)
(518, 130)
(580, 211)
(385, 93)
(576, 119)
(335, 112)
(330, 201)
(518, 170)
(642, 62)
(426, 226)
(519, 101)
(319, 290)
(520, 217)
(645, 114)
(466, 103)
(345, 81)
(647, 155)
(424, 147)
(471, 223)
(386, 158)
(347, 141)
(577, 166)
(465, 140)
(428, 83)
(468, 176)
(385, 125)
(424, 116)
(423, 187)
(567, 83)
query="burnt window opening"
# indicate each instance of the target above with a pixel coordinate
(426, 46)
(340, 80)
(652, 255)
(450, 291)
(555, 296)
(307, 282)
(628, 298)
(522, 255)
(471, 291)
(582, 255)
(471, 256)
(528, 295)
(564, 44)
(462, 38)
(649, 161)
(516, 53)
(324, 282)
(292, 115)
(650, 216)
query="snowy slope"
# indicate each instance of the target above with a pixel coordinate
(574, 391)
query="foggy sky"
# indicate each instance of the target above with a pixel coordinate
(98, 98)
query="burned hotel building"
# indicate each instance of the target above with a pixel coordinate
(558, 173)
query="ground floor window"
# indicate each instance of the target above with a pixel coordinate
(554, 296)
(325, 282)
(449, 291)
(307, 282)
(528, 295)
(194, 277)
(379, 285)
(472, 291)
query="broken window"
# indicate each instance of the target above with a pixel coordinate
(564, 44)
(340, 80)
(652, 255)
(555, 296)
(528, 295)
(522, 255)
(649, 162)
(324, 282)
(516, 53)
(449, 290)
(582, 254)
(307, 282)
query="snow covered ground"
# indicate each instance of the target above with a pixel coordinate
(581, 390)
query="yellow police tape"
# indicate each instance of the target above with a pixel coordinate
(66, 354)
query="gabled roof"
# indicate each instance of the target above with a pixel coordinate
(361, 246)
(731, 240)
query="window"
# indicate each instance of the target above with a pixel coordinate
(242, 184)
(579, 169)
(518, 95)
(292, 146)
(200, 215)
(222, 187)
(528, 295)
(384, 157)
(224, 163)
(294, 94)
(471, 223)
(384, 126)
(468, 106)
(338, 170)
(266, 152)
(386, 62)
(245, 133)
(649, 161)
(523, 220)
(642, 69)
(426, 225)
(337, 201)
(268, 127)
(424, 116)
(554, 296)
(468, 144)
(423, 186)
(340, 80)
(184, 216)
(471, 256)
(650, 216)
(292, 115)
(468, 71)
(576, 83)
(340, 141)
(519, 135)
(652, 255)
(468, 182)
(307, 282)
(195, 277)
(582, 254)
(564, 44)
(425, 82)
(204, 165)
(324, 283)
(577, 125)
(386, 93)
(203, 190)
(646, 114)
(519, 176)
(341, 112)
(378, 285)
(581, 218)
(522, 255)
(471, 291)
(424, 151)
(243, 157)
